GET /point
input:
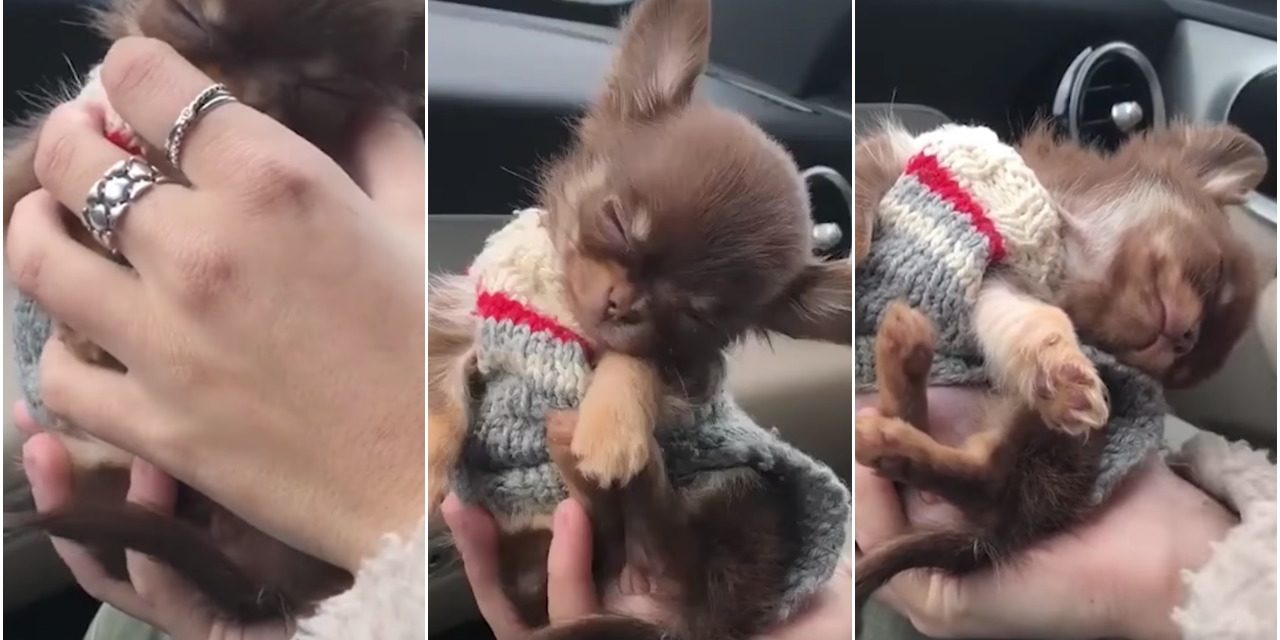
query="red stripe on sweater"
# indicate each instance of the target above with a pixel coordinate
(933, 176)
(499, 307)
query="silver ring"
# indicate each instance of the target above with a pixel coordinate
(110, 197)
(209, 99)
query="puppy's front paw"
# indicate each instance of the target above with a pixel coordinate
(611, 442)
(1068, 392)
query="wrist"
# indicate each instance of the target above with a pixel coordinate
(1192, 537)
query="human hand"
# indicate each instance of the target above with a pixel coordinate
(272, 324)
(571, 590)
(152, 593)
(1093, 581)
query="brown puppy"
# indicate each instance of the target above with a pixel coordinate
(1153, 275)
(314, 65)
(681, 228)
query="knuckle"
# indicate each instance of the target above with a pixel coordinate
(271, 184)
(134, 64)
(204, 271)
(56, 148)
(27, 260)
(56, 391)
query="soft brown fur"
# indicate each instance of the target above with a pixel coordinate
(682, 228)
(1153, 274)
(315, 65)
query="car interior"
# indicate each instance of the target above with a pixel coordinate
(1102, 70)
(504, 81)
(1002, 65)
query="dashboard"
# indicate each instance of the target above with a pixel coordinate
(1004, 64)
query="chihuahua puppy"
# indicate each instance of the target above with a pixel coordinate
(315, 65)
(1151, 274)
(675, 228)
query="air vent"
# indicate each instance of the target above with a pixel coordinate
(831, 203)
(1253, 110)
(1108, 93)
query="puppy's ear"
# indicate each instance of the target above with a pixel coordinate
(817, 305)
(1229, 163)
(663, 49)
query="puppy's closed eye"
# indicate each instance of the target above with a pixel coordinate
(613, 226)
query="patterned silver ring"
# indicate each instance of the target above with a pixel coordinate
(110, 197)
(209, 99)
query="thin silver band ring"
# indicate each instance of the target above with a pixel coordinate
(209, 99)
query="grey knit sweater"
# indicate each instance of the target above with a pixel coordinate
(966, 205)
(533, 360)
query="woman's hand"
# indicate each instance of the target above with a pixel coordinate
(1114, 576)
(572, 593)
(153, 593)
(272, 324)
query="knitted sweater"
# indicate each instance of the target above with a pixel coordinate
(967, 205)
(533, 359)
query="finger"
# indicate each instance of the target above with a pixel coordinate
(173, 599)
(72, 152)
(149, 84)
(48, 468)
(101, 401)
(389, 164)
(93, 295)
(878, 509)
(475, 534)
(571, 590)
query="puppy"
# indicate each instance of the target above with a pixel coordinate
(670, 230)
(1151, 273)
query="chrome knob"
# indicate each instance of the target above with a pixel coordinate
(1126, 115)
(826, 236)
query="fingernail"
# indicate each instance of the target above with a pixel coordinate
(29, 458)
(562, 516)
(146, 472)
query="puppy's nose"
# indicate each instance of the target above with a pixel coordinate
(619, 302)
(1185, 341)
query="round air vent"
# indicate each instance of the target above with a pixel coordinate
(1253, 110)
(1108, 93)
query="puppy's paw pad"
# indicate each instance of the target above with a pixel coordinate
(907, 336)
(1069, 394)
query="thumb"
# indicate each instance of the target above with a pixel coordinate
(878, 509)
(389, 163)
(570, 590)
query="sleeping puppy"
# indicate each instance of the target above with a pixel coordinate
(670, 230)
(1151, 274)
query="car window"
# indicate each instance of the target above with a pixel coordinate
(603, 12)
